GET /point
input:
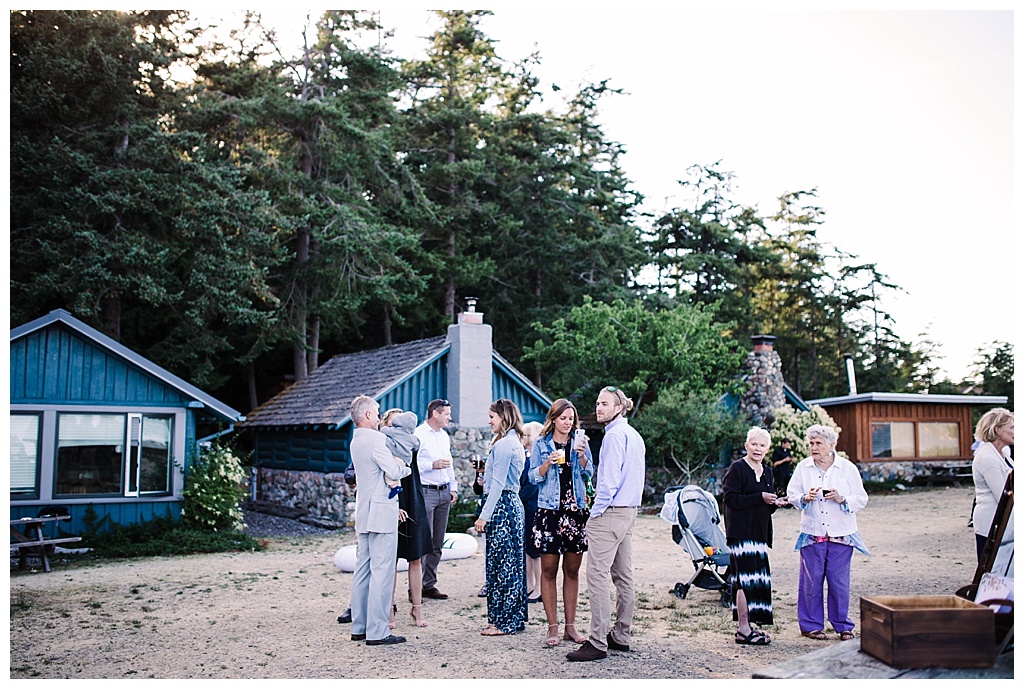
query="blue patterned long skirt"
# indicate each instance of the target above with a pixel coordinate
(749, 570)
(506, 565)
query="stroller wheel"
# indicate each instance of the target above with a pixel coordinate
(681, 590)
(726, 597)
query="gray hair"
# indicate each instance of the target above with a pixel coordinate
(758, 431)
(360, 405)
(826, 433)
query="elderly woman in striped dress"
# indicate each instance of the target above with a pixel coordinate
(750, 499)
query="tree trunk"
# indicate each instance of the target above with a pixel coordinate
(313, 354)
(299, 310)
(250, 371)
(387, 326)
(110, 313)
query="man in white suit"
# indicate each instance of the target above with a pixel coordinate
(376, 526)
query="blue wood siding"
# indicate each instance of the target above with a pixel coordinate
(123, 513)
(416, 391)
(303, 449)
(54, 366)
(505, 385)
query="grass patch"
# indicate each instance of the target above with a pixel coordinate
(163, 536)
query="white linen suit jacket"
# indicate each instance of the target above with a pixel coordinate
(375, 513)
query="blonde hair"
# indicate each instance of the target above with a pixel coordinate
(511, 419)
(992, 423)
(385, 418)
(620, 398)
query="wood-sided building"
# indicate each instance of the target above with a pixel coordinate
(300, 438)
(95, 424)
(885, 427)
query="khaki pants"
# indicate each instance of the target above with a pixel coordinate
(610, 561)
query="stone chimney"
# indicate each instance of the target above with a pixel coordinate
(470, 368)
(763, 373)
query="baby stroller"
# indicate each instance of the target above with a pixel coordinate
(696, 527)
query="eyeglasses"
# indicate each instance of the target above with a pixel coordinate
(611, 388)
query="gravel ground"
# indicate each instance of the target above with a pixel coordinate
(262, 525)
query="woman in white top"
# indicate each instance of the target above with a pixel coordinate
(829, 492)
(992, 463)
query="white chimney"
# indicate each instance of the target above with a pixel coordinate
(470, 368)
(850, 375)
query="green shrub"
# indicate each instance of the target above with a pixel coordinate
(793, 424)
(164, 536)
(214, 488)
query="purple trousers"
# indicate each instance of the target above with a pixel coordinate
(820, 563)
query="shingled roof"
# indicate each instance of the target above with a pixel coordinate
(325, 396)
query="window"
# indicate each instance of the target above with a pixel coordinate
(939, 439)
(892, 439)
(25, 455)
(933, 439)
(113, 454)
(155, 463)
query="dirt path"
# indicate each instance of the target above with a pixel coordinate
(273, 614)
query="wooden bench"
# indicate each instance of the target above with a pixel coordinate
(27, 539)
(950, 472)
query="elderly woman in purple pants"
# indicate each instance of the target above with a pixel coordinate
(829, 491)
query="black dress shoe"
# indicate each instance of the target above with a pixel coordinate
(359, 637)
(386, 641)
(345, 617)
(587, 651)
(617, 647)
(435, 594)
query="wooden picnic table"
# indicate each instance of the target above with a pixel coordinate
(28, 539)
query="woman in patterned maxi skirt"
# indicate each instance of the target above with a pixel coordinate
(750, 499)
(502, 520)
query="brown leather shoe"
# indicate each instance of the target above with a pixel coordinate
(434, 594)
(586, 652)
(616, 646)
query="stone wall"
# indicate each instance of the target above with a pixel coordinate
(328, 497)
(324, 496)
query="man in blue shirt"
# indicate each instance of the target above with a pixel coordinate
(617, 496)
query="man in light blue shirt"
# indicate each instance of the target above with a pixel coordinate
(618, 493)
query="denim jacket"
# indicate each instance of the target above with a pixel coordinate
(550, 488)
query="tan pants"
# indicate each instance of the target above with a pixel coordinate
(610, 560)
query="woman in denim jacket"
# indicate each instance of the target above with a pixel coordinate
(558, 464)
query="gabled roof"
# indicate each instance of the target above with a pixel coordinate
(324, 397)
(917, 398)
(60, 316)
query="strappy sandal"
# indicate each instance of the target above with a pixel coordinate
(845, 636)
(754, 638)
(571, 634)
(819, 635)
(552, 639)
(491, 630)
(416, 613)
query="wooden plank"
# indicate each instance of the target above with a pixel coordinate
(844, 660)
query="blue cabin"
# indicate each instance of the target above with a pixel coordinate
(94, 423)
(300, 438)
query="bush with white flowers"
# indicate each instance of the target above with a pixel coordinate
(214, 489)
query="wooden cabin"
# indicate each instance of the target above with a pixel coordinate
(300, 438)
(886, 427)
(95, 424)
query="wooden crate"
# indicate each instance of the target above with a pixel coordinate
(927, 631)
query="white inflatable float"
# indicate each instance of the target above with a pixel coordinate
(456, 546)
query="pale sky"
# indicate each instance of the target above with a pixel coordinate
(902, 120)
